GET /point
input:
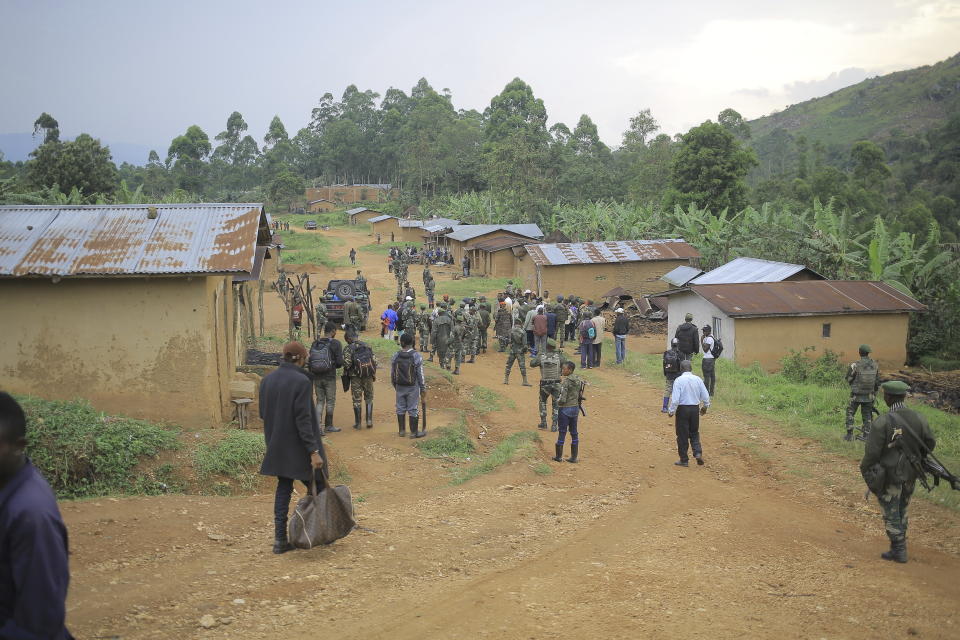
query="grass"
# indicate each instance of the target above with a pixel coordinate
(383, 248)
(330, 219)
(302, 247)
(85, 453)
(236, 456)
(485, 400)
(448, 442)
(542, 469)
(809, 410)
(938, 364)
(520, 444)
(383, 349)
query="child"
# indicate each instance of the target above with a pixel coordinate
(569, 405)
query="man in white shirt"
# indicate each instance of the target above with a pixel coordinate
(709, 362)
(688, 401)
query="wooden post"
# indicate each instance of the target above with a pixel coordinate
(260, 307)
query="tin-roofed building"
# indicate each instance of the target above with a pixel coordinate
(385, 225)
(463, 235)
(742, 270)
(350, 193)
(130, 306)
(588, 269)
(321, 206)
(762, 321)
(361, 215)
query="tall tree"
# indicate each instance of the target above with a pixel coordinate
(82, 164)
(732, 121)
(188, 152)
(642, 126)
(709, 169)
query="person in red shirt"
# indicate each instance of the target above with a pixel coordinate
(297, 315)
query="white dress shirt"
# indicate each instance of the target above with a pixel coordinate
(688, 389)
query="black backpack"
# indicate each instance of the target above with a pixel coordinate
(671, 361)
(319, 361)
(404, 372)
(364, 364)
(717, 348)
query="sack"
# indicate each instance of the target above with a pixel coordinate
(876, 478)
(321, 518)
(671, 361)
(404, 373)
(364, 364)
(717, 348)
(866, 380)
(319, 361)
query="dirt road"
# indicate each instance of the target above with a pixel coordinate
(770, 539)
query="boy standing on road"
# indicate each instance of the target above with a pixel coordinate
(571, 388)
(406, 376)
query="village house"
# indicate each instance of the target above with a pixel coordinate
(762, 321)
(321, 206)
(461, 235)
(351, 193)
(385, 225)
(132, 307)
(361, 215)
(588, 269)
(497, 257)
(414, 230)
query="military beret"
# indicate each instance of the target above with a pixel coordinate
(483, 298)
(895, 387)
(865, 348)
(551, 342)
(423, 306)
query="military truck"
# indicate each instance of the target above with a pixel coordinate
(336, 294)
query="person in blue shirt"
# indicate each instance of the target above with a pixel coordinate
(390, 318)
(34, 570)
(688, 401)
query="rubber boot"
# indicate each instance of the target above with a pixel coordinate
(369, 415)
(506, 379)
(402, 423)
(280, 542)
(849, 436)
(559, 453)
(356, 418)
(414, 425)
(574, 450)
(328, 423)
(666, 400)
(472, 359)
(898, 550)
(456, 371)
(525, 383)
(430, 359)
(543, 424)
(888, 555)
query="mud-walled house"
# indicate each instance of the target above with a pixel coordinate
(129, 306)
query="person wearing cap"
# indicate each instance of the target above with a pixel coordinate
(898, 432)
(549, 363)
(621, 327)
(671, 371)
(352, 316)
(502, 325)
(689, 338)
(292, 434)
(360, 365)
(863, 376)
(689, 400)
(709, 362)
(422, 321)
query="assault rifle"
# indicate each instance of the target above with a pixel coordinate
(924, 462)
(580, 398)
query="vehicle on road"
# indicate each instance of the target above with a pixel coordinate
(336, 293)
(310, 225)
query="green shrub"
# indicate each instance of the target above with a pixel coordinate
(237, 456)
(515, 445)
(448, 442)
(84, 453)
(485, 400)
(826, 370)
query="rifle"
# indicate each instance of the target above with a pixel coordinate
(580, 398)
(927, 463)
(423, 410)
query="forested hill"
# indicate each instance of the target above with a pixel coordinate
(897, 111)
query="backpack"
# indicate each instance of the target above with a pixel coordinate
(364, 364)
(671, 361)
(717, 348)
(404, 373)
(592, 332)
(319, 361)
(587, 330)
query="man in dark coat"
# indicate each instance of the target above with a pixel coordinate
(688, 338)
(34, 571)
(290, 427)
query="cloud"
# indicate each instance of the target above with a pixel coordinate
(800, 91)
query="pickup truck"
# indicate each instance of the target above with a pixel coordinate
(336, 293)
(310, 225)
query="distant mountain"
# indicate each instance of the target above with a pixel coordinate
(895, 111)
(17, 146)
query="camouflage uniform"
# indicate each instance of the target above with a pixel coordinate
(864, 379)
(549, 364)
(440, 337)
(422, 323)
(428, 288)
(563, 313)
(517, 348)
(502, 326)
(484, 313)
(472, 335)
(321, 316)
(361, 388)
(352, 315)
(456, 344)
(410, 319)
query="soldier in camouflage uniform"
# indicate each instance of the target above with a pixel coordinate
(517, 348)
(563, 314)
(549, 364)
(457, 337)
(864, 379)
(483, 310)
(502, 326)
(409, 317)
(428, 288)
(321, 314)
(472, 336)
(889, 446)
(361, 382)
(440, 336)
(352, 314)
(571, 389)
(423, 328)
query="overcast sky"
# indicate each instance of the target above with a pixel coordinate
(142, 72)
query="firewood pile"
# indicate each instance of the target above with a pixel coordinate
(940, 388)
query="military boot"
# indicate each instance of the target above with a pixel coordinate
(430, 359)
(559, 453)
(472, 359)
(543, 423)
(574, 450)
(402, 423)
(849, 435)
(369, 415)
(898, 550)
(328, 423)
(456, 371)
(356, 417)
(414, 425)
(525, 383)
(506, 378)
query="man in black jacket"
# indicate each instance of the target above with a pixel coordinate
(290, 428)
(325, 384)
(621, 327)
(688, 338)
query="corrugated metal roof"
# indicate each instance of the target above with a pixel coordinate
(379, 218)
(617, 251)
(320, 200)
(464, 232)
(681, 275)
(751, 270)
(498, 244)
(123, 239)
(806, 297)
(353, 212)
(411, 224)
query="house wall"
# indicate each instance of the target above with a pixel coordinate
(457, 248)
(385, 227)
(350, 195)
(317, 207)
(767, 340)
(593, 280)
(500, 264)
(703, 313)
(364, 218)
(155, 348)
(411, 234)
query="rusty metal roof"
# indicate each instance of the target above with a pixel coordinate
(751, 270)
(806, 297)
(498, 244)
(605, 252)
(100, 240)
